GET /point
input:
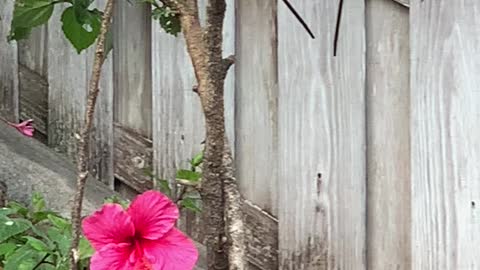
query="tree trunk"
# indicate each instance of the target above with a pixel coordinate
(204, 46)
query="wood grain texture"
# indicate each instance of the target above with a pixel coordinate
(132, 62)
(322, 170)
(445, 109)
(256, 102)
(388, 143)
(33, 90)
(405, 3)
(68, 77)
(33, 80)
(67, 92)
(33, 52)
(261, 234)
(8, 66)
(178, 122)
(102, 135)
(132, 158)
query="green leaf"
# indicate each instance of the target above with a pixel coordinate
(7, 248)
(28, 14)
(188, 175)
(85, 249)
(31, 13)
(42, 215)
(61, 240)
(81, 33)
(117, 200)
(5, 211)
(19, 33)
(18, 208)
(191, 204)
(59, 222)
(169, 20)
(197, 160)
(12, 227)
(37, 244)
(164, 186)
(24, 258)
(38, 202)
(108, 45)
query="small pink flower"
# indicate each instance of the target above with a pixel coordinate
(25, 127)
(141, 238)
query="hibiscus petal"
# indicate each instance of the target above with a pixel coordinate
(153, 214)
(112, 257)
(111, 224)
(174, 251)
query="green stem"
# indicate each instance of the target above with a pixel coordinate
(41, 262)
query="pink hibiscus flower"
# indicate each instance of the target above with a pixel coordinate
(141, 238)
(25, 127)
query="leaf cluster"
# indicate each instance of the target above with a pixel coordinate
(34, 237)
(187, 182)
(80, 22)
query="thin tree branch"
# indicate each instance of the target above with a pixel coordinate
(227, 63)
(299, 18)
(84, 140)
(337, 27)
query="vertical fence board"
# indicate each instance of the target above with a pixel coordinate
(388, 151)
(133, 89)
(322, 138)
(67, 88)
(32, 52)
(69, 74)
(178, 123)
(102, 148)
(257, 102)
(445, 109)
(8, 66)
(32, 75)
(133, 94)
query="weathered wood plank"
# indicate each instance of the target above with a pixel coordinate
(445, 111)
(67, 92)
(33, 84)
(388, 151)
(178, 124)
(322, 159)
(32, 52)
(8, 66)
(132, 62)
(405, 3)
(33, 98)
(67, 101)
(256, 101)
(261, 231)
(102, 135)
(132, 158)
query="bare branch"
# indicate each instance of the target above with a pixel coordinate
(228, 62)
(299, 18)
(84, 140)
(337, 27)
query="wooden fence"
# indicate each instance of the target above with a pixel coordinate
(366, 160)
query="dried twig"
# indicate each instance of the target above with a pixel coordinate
(337, 27)
(299, 18)
(84, 139)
